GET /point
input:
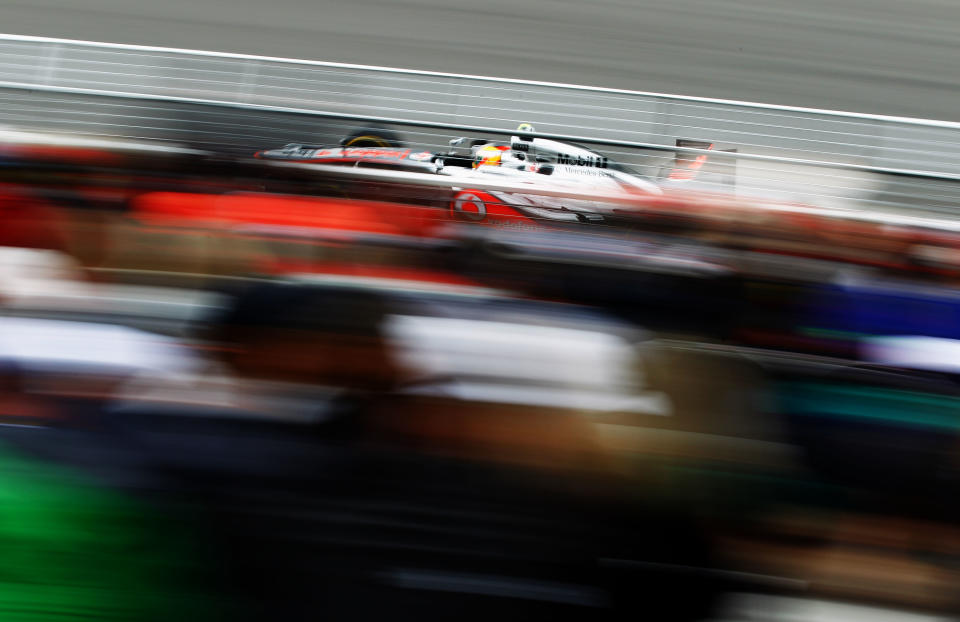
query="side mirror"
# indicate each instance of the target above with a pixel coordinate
(456, 142)
(546, 169)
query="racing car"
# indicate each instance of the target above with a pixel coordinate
(524, 162)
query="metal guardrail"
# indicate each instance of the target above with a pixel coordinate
(439, 99)
(237, 104)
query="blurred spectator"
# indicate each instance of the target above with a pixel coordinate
(16, 404)
(304, 333)
(284, 352)
(73, 546)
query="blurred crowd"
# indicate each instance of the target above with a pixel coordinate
(230, 391)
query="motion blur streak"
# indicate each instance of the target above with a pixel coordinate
(512, 379)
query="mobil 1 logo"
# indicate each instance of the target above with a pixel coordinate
(582, 160)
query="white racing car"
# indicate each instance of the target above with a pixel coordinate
(526, 160)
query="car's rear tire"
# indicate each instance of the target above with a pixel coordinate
(373, 137)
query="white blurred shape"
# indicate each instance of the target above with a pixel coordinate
(36, 278)
(51, 346)
(33, 280)
(520, 363)
(914, 352)
(767, 608)
(541, 354)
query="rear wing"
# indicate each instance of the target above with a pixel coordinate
(686, 169)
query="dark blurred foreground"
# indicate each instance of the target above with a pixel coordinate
(227, 403)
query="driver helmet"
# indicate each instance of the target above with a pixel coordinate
(525, 127)
(490, 155)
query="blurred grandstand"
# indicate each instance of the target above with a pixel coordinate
(309, 392)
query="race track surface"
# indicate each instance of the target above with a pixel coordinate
(878, 56)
